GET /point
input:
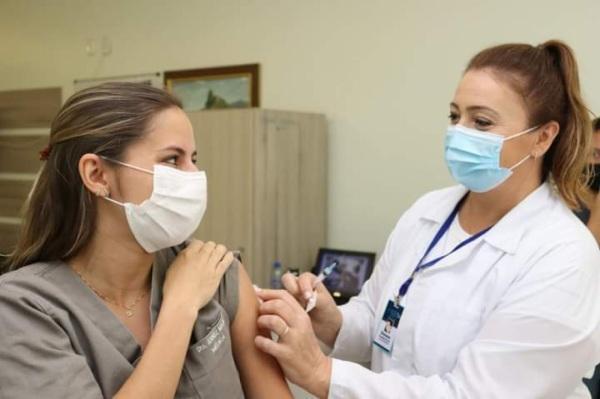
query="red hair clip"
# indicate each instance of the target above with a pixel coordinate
(45, 153)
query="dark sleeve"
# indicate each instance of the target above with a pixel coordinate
(36, 356)
(583, 214)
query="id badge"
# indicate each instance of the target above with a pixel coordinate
(388, 325)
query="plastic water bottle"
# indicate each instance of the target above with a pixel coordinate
(276, 274)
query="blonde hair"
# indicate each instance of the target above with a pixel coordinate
(547, 78)
(60, 213)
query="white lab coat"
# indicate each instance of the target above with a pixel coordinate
(513, 315)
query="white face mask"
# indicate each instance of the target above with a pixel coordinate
(172, 213)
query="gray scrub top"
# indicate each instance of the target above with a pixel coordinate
(59, 340)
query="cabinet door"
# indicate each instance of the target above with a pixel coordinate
(290, 190)
(224, 144)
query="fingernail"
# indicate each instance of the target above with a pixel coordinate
(307, 294)
(256, 288)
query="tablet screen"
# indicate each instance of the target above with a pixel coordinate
(353, 269)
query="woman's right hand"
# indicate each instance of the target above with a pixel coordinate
(194, 276)
(326, 317)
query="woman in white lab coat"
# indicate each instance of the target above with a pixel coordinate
(492, 287)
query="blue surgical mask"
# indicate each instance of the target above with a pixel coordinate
(473, 157)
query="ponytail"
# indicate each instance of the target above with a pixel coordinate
(547, 78)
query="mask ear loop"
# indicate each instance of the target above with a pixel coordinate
(522, 161)
(127, 165)
(103, 193)
(106, 195)
(114, 201)
(524, 132)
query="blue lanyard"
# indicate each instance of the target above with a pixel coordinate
(443, 229)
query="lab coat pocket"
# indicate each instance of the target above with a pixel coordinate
(440, 335)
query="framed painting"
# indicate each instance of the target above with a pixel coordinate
(215, 88)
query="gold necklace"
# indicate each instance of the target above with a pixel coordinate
(129, 309)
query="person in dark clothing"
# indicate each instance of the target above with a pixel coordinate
(591, 215)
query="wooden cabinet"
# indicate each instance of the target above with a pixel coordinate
(25, 117)
(267, 191)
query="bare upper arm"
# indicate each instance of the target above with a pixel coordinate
(260, 373)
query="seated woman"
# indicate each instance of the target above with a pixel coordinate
(102, 300)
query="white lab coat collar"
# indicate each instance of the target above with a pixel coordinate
(507, 233)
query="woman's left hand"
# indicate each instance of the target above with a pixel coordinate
(297, 349)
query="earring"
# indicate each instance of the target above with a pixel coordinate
(103, 192)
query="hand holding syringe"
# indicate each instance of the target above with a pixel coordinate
(312, 301)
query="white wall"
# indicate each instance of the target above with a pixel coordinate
(382, 71)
